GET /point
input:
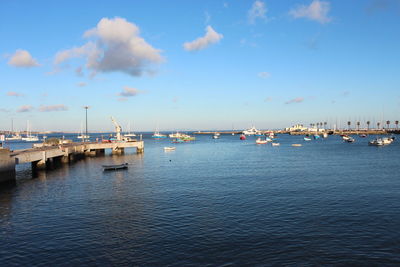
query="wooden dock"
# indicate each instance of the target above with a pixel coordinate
(41, 155)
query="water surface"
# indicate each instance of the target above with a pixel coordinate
(210, 202)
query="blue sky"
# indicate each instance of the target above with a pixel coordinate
(180, 65)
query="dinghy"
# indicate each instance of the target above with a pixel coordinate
(115, 167)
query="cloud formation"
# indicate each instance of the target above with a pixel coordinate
(257, 11)
(14, 94)
(295, 100)
(22, 59)
(317, 11)
(52, 108)
(264, 74)
(200, 43)
(25, 108)
(115, 46)
(129, 91)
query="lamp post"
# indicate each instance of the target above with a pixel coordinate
(86, 134)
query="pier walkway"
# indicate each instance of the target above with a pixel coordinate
(41, 156)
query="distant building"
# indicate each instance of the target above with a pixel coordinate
(297, 128)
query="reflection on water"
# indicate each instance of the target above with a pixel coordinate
(210, 202)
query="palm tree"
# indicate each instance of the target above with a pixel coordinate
(358, 125)
(378, 124)
(388, 124)
(348, 125)
(368, 123)
(397, 124)
(325, 123)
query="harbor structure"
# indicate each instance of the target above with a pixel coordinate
(42, 156)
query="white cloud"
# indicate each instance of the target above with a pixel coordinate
(264, 74)
(116, 46)
(52, 108)
(22, 59)
(295, 100)
(257, 11)
(200, 43)
(129, 91)
(25, 108)
(317, 10)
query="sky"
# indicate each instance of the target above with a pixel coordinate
(197, 65)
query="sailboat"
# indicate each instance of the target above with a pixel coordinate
(14, 136)
(129, 134)
(29, 137)
(158, 135)
(82, 136)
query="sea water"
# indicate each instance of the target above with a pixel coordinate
(210, 202)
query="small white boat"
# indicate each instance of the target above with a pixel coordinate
(216, 135)
(387, 140)
(381, 141)
(275, 144)
(169, 148)
(30, 138)
(14, 137)
(115, 167)
(349, 139)
(251, 131)
(345, 137)
(259, 141)
(176, 135)
(307, 138)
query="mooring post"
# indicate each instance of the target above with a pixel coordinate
(140, 147)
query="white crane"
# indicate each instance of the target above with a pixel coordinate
(118, 129)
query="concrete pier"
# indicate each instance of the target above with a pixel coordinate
(44, 157)
(7, 166)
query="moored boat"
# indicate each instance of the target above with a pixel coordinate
(349, 139)
(345, 137)
(177, 140)
(242, 137)
(157, 135)
(169, 148)
(259, 141)
(381, 141)
(251, 131)
(115, 167)
(376, 142)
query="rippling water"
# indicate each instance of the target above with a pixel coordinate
(210, 202)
